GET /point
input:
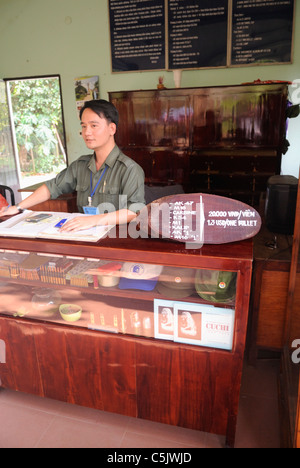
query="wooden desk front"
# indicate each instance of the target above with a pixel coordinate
(173, 383)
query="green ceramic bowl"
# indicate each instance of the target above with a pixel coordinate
(70, 312)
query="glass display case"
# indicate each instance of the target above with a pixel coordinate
(96, 325)
(188, 305)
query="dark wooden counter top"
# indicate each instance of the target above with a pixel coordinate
(147, 250)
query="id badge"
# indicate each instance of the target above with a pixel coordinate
(90, 210)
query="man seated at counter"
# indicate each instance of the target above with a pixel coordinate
(109, 185)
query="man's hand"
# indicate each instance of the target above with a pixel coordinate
(9, 211)
(80, 223)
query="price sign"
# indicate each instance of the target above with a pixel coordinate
(201, 219)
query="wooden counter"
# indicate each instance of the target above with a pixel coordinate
(174, 383)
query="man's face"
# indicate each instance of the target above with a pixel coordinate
(97, 132)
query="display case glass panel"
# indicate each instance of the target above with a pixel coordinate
(186, 305)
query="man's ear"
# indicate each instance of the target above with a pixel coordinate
(113, 128)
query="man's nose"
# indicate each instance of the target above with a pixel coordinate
(88, 130)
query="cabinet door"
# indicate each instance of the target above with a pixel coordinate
(272, 308)
(174, 386)
(20, 371)
(240, 116)
(153, 119)
(158, 383)
(170, 121)
(88, 369)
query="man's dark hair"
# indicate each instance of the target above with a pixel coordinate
(102, 108)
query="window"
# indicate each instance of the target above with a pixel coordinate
(34, 106)
(8, 168)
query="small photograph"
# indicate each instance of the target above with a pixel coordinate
(188, 323)
(164, 319)
(86, 89)
(203, 325)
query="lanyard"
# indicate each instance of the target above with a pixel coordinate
(94, 191)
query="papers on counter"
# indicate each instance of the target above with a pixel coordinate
(48, 228)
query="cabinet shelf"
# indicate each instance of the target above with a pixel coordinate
(114, 292)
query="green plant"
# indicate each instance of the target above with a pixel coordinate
(38, 123)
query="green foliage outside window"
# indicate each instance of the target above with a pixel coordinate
(38, 123)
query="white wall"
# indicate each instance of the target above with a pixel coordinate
(71, 38)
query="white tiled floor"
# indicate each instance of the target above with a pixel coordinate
(33, 422)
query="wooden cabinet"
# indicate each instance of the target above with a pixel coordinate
(225, 140)
(113, 358)
(269, 295)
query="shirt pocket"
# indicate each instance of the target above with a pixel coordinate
(108, 198)
(82, 194)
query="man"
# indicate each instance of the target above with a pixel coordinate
(109, 185)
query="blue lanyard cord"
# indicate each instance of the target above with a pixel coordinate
(94, 191)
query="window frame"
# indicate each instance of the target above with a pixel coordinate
(10, 111)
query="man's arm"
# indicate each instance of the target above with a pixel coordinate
(86, 222)
(40, 195)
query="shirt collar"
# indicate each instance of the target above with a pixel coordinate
(110, 160)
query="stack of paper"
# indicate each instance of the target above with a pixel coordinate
(22, 226)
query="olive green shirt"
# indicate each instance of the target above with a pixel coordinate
(122, 185)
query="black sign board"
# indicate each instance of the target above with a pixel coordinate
(191, 34)
(262, 31)
(137, 30)
(197, 33)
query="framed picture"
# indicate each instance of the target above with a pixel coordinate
(164, 319)
(203, 325)
(86, 89)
